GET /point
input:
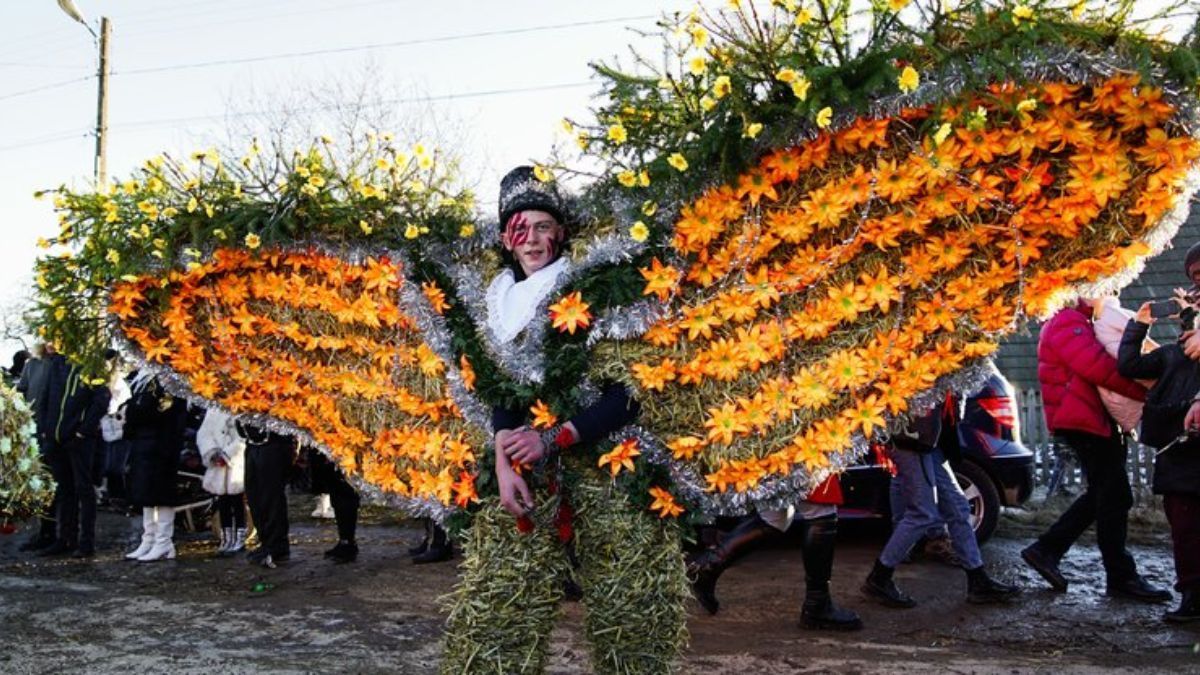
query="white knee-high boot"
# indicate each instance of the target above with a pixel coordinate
(164, 547)
(148, 533)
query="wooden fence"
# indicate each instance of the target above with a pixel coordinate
(1050, 460)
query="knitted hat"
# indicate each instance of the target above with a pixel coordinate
(520, 190)
(1192, 257)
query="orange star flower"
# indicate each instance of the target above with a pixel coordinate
(435, 296)
(756, 185)
(570, 313)
(661, 280)
(664, 504)
(543, 418)
(621, 457)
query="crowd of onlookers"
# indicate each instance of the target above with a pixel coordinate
(129, 442)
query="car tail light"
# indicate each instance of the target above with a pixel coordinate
(1001, 409)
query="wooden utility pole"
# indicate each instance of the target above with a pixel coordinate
(101, 166)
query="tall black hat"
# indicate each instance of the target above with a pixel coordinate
(521, 190)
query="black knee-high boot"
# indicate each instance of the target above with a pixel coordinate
(706, 568)
(818, 611)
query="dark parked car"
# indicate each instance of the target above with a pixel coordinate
(995, 469)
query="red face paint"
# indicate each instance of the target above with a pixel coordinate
(516, 231)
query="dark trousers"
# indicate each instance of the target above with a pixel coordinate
(344, 500)
(267, 468)
(48, 521)
(232, 510)
(1183, 513)
(1106, 502)
(75, 497)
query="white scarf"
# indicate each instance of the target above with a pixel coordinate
(511, 304)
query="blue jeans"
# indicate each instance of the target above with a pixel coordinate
(929, 495)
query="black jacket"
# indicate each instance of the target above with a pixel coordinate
(70, 407)
(1178, 380)
(154, 426)
(615, 409)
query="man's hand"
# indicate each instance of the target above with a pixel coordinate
(1143, 314)
(1191, 345)
(514, 493)
(523, 445)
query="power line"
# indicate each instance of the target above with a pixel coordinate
(382, 45)
(57, 137)
(45, 87)
(25, 64)
(396, 101)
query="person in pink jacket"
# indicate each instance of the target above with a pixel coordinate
(1072, 366)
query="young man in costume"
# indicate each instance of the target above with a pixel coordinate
(552, 494)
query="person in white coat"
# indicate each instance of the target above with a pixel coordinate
(223, 452)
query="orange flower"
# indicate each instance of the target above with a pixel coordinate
(621, 457)
(699, 321)
(654, 378)
(435, 296)
(543, 418)
(661, 280)
(464, 490)
(1028, 181)
(867, 415)
(724, 360)
(570, 313)
(125, 298)
(724, 423)
(783, 165)
(685, 447)
(467, 372)
(756, 185)
(882, 289)
(664, 504)
(979, 146)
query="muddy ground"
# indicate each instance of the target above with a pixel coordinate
(199, 614)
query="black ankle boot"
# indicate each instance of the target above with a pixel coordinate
(439, 548)
(424, 545)
(818, 611)
(880, 586)
(1188, 611)
(983, 590)
(706, 567)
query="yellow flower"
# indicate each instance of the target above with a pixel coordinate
(466, 230)
(617, 134)
(697, 65)
(803, 17)
(566, 126)
(644, 178)
(678, 161)
(219, 234)
(649, 208)
(60, 313)
(42, 242)
(365, 227)
(942, 133)
(582, 140)
(326, 139)
(113, 256)
(824, 117)
(627, 178)
(200, 155)
(1077, 8)
(753, 130)
(412, 231)
(208, 210)
(897, 5)
(1027, 105)
(909, 79)
(699, 35)
(722, 86)
(786, 75)
(707, 103)
(1022, 13)
(639, 232)
(382, 163)
(425, 161)
(800, 87)
(193, 266)
(419, 149)
(542, 174)
(170, 212)
(253, 241)
(131, 278)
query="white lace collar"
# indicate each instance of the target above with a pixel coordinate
(511, 304)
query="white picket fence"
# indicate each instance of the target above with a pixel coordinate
(1037, 438)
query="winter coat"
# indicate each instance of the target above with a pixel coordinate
(1071, 365)
(33, 386)
(1177, 470)
(218, 439)
(1109, 325)
(154, 428)
(70, 408)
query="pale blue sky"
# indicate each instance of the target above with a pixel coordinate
(46, 137)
